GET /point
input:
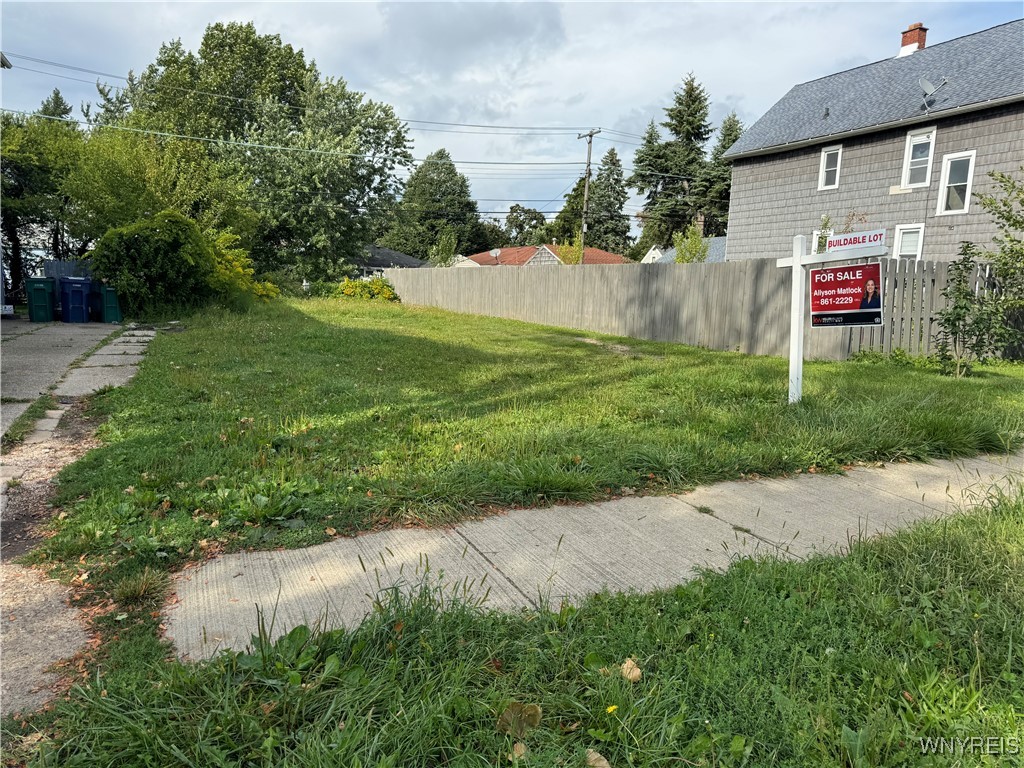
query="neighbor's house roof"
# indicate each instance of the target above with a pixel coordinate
(518, 256)
(983, 70)
(382, 258)
(716, 252)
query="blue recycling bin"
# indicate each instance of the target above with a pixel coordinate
(74, 299)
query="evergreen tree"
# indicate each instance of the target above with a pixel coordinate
(689, 129)
(55, 106)
(649, 167)
(607, 224)
(436, 196)
(715, 183)
(569, 220)
(666, 172)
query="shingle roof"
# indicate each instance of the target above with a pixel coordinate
(981, 68)
(382, 258)
(518, 256)
(716, 252)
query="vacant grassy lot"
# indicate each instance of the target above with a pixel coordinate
(272, 426)
(830, 662)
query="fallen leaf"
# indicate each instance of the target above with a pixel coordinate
(518, 718)
(31, 739)
(330, 531)
(596, 760)
(631, 671)
(518, 750)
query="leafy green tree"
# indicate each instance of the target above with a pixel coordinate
(320, 201)
(572, 252)
(607, 224)
(490, 235)
(224, 86)
(522, 225)
(112, 185)
(691, 247)
(442, 253)
(970, 325)
(1006, 206)
(36, 155)
(310, 207)
(436, 196)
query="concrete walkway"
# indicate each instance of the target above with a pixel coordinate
(520, 558)
(37, 625)
(35, 355)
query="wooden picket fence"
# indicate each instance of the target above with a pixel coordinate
(740, 305)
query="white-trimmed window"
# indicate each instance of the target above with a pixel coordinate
(955, 184)
(909, 242)
(828, 170)
(917, 158)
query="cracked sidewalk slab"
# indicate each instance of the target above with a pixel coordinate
(525, 557)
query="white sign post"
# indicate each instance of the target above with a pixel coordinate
(857, 245)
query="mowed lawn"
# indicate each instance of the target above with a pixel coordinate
(303, 416)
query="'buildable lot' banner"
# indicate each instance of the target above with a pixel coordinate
(846, 296)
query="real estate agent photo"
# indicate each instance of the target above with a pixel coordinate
(872, 299)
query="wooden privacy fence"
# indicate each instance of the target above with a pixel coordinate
(737, 305)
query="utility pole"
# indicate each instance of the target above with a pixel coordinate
(586, 188)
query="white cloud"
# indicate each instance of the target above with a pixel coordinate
(577, 64)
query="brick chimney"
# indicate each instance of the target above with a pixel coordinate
(913, 39)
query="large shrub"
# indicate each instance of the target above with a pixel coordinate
(159, 262)
(374, 288)
(232, 277)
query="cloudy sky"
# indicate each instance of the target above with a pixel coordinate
(551, 65)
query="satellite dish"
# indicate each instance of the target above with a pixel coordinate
(496, 252)
(927, 86)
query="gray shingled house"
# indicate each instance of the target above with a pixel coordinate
(903, 144)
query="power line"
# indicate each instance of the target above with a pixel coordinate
(252, 145)
(561, 130)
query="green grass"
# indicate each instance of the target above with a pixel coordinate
(828, 662)
(266, 428)
(23, 426)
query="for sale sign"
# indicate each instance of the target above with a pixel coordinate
(846, 296)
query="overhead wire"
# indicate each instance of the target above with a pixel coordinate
(555, 130)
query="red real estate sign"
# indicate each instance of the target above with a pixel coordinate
(846, 296)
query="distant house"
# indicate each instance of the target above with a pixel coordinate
(903, 144)
(716, 252)
(378, 259)
(539, 256)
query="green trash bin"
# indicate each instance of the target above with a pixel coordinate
(103, 304)
(42, 298)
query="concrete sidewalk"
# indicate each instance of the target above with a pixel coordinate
(35, 355)
(519, 558)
